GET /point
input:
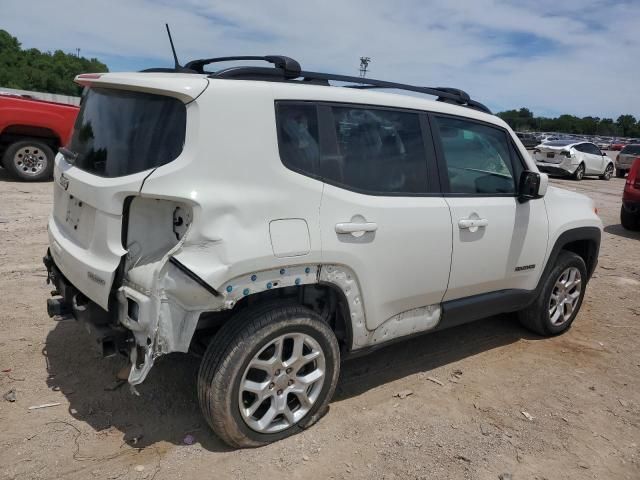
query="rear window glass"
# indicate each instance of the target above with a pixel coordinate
(631, 149)
(120, 132)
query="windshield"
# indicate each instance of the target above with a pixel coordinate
(631, 149)
(120, 132)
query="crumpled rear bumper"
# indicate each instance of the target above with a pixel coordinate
(68, 301)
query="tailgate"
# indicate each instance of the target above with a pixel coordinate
(85, 228)
(119, 137)
(548, 155)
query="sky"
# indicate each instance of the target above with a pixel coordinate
(580, 57)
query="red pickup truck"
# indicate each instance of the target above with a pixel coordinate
(30, 133)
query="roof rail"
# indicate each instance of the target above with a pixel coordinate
(289, 66)
(286, 69)
(443, 94)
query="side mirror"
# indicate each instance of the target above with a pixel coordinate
(532, 185)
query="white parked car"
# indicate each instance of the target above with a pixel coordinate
(283, 224)
(573, 158)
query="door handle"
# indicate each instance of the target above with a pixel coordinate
(356, 227)
(472, 223)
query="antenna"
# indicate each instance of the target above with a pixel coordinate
(176, 64)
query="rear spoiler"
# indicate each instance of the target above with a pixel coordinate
(184, 87)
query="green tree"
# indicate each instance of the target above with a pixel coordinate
(42, 71)
(626, 124)
(523, 120)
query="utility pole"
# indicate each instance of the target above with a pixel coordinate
(364, 65)
(78, 52)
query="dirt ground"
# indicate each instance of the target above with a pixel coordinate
(581, 389)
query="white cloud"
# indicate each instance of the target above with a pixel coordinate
(576, 56)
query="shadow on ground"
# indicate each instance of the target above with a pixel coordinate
(167, 408)
(620, 231)
(5, 176)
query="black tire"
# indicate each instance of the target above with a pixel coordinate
(41, 152)
(536, 317)
(579, 173)
(608, 172)
(620, 173)
(630, 221)
(227, 357)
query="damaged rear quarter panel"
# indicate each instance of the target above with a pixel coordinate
(232, 207)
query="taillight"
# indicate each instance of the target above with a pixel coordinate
(536, 150)
(565, 153)
(633, 179)
(617, 157)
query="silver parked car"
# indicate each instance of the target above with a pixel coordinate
(625, 158)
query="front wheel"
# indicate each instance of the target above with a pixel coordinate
(268, 374)
(608, 172)
(29, 160)
(560, 298)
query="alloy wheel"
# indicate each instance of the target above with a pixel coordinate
(281, 383)
(565, 296)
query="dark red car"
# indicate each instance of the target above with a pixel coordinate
(630, 212)
(31, 131)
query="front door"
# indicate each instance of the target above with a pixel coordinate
(498, 242)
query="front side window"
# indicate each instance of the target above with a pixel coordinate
(379, 151)
(477, 157)
(120, 132)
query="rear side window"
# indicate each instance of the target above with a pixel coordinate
(477, 157)
(121, 132)
(298, 138)
(592, 149)
(379, 151)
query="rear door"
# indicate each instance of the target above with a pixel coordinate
(119, 137)
(498, 242)
(381, 214)
(596, 162)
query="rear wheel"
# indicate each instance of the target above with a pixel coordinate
(268, 374)
(629, 220)
(620, 173)
(608, 172)
(559, 299)
(29, 160)
(579, 173)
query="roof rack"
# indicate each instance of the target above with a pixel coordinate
(286, 69)
(288, 65)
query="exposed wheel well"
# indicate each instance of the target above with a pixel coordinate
(14, 133)
(325, 299)
(587, 249)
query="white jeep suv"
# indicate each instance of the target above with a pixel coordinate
(275, 224)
